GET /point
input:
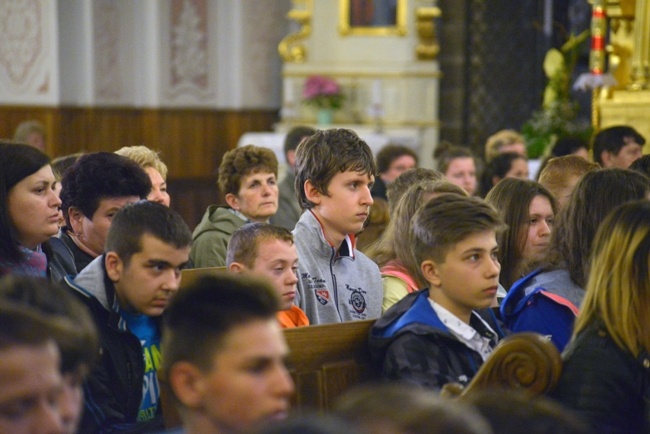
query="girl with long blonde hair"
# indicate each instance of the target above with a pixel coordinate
(606, 373)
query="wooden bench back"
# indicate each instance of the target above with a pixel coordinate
(326, 360)
(190, 275)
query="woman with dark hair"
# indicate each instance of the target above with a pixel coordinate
(458, 164)
(529, 210)
(29, 215)
(547, 300)
(506, 165)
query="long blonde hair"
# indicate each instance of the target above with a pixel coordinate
(618, 288)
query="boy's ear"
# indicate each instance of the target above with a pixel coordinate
(431, 273)
(311, 193)
(232, 201)
(236, 267)
(114, 266)
(186, 383)
(76, 217)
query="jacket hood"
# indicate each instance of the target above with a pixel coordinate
(219, 219)
(91, 282)
(556, 282)
(414, 314)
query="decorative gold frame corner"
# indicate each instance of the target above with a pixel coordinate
(399, 29)
(428, 46)
(290, 47)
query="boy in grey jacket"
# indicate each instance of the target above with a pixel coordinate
(334, 174)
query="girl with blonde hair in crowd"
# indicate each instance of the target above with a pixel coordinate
(606, 370)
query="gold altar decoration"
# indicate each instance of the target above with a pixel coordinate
(372, 18)
(290, 48)
(629, 60)
(641, 54)
(428, 47)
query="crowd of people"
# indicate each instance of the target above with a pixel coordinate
(93, 325)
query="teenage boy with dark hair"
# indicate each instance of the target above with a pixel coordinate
(288, 206)
(334, 174)
(618, 146)
(436, 335)
(224, 355)
(269, 251)
(126, 290)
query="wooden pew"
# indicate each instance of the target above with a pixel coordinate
(326, 360)
(524, 361)
(190, 275)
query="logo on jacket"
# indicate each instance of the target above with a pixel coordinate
(322, 295)
(357, 300)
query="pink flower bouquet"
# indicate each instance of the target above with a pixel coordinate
(322, 92)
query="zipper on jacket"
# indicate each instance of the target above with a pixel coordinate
(335, 289)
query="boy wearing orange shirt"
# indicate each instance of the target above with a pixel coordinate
(269, 251)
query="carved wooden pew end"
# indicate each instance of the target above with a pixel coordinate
(523, 361)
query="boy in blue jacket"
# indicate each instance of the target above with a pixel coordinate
(443, 333)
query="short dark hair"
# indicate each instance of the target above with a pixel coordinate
(203, 313)
(79, 345)
(244, 242)
(145, 217)
(398, 187)
(295, 136)
(568, 145)
(17, 162)
(326, 153)
(240, 162)
(642, 165)
(98, 176)
(498, 166)
(511, 197)
(390, 153)
(445, 221)
(612, 139)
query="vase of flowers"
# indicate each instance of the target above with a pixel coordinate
(325, 94)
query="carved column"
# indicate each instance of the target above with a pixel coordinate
(641, 54)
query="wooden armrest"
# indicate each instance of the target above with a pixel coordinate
(525, 361)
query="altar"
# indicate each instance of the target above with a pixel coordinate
(386, 71)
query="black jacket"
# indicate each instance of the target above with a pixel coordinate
(410, 343)
(113, 390)
(60, 261)
(81, 258)
(606, 385)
